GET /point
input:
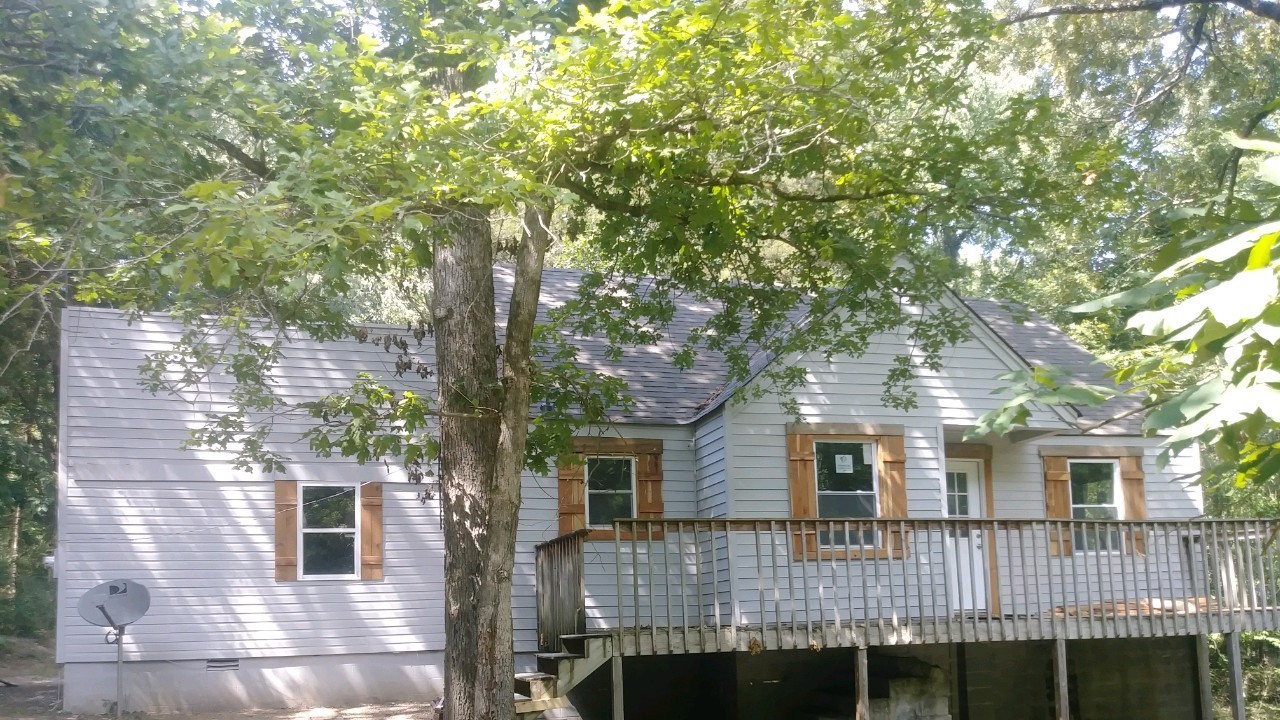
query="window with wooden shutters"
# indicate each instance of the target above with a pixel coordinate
(328, 531)
(607, 479)
(834, 475)
(1100, 485)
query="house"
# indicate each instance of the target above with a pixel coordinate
(719, 557)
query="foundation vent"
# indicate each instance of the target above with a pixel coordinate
(222, 664)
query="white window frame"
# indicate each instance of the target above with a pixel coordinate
(875, 486)
(1114, 540)
(586, 488)
(303, 530)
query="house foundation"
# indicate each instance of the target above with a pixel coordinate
(1131, 679)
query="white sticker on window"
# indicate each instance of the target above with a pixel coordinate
(844, 464)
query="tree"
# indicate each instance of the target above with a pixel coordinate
(1211, 315)
(772, 158)
(1156, 88)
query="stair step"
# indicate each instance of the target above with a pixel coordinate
(550, 662)
(580, 643)
(558, 656)
(536, 685)
(539, 706)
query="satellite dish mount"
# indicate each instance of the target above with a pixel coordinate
(116, 605)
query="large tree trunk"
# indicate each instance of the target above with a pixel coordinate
(479, 524)
(483, 429)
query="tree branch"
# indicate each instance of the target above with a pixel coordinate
(1231, 170)
(250, 163)
(1262, 8)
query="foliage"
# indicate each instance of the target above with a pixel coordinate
(291, 154)
(1158, 90)
(1213, 309)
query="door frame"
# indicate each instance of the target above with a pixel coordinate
(982, 454)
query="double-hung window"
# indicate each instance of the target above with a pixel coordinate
(1096, 495)
(848, 486)
(328, 531)
(611, 490)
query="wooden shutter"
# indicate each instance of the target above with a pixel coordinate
(804, 493)
(572, 486)
(893, 489)
(803, 478)
(649, 487)
(893, 476)
(1133, 485)
(371, 531)
(1057, 501)
(286, 530)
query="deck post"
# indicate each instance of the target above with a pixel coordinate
(1203, 687)
(863, 709)
(1234, 676)
(1061, 696)
(619, 711)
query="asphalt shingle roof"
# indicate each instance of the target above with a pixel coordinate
(1039, 343)
(665, 394)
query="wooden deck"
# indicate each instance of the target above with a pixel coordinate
(807, 636)
(726, 585)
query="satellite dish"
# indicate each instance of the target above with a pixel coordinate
(115, 604)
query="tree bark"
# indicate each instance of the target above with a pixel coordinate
(15, 537)
(482, 455)
(479, 536)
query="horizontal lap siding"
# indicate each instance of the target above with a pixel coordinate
(206, 551)
(711, 467)
(200, 533)
(1172, 490)
(848, 390)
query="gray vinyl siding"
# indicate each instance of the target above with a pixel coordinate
(847, 390)
(711, 467)
(679, 499)
(200, 533)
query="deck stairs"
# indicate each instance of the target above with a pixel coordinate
(560, 672)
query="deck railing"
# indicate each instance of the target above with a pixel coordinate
(723, 584)
(561, 589)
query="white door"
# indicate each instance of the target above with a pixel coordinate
(966, 548)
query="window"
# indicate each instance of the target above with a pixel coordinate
(1095, 495)
(846, 479)
(957, 494)
(328, 531)
(610, 493)
(847, 485)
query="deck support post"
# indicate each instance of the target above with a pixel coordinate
(619, 711)
(1204, 690)
(862, 710)
(1235, 677)
(1061, 696)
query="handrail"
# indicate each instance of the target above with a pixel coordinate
(706, 584)
(561, 589)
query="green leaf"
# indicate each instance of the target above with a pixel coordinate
(1253, 143)
(1269, 170)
